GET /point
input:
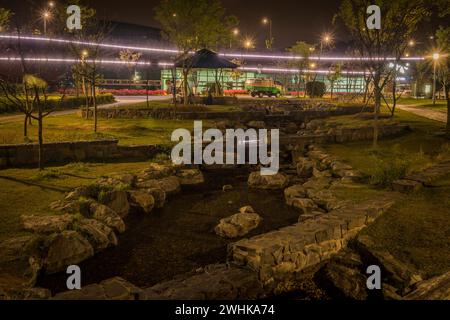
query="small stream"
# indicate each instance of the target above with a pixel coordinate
(179, 237)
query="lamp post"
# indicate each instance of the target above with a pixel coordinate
(436, 57)
(45, 16)
(235, 33)
(269, 43)
(326, 38)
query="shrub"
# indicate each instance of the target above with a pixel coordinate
(315, 89)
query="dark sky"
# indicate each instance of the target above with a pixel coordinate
(292, 19)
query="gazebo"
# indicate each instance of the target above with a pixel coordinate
(206, 59)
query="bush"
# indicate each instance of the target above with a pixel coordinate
(315, 89)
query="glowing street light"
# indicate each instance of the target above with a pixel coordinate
(325, 39)
(51, 4)
(46, 15)
(249, 44)
(84, 54)
(312, 65)
(411, 43)
(435, 57)
(269, 43)
(235, 31)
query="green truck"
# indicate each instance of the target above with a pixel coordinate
(263, 87)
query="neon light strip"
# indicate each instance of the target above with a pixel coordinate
(169, 64)
(231, 55)
(12, 59)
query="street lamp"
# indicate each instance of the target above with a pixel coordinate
(325, 39)
(436, 57)
(46, 15)
(269, 43)
(248, 44)
(411, 43)
(51, 4)
(235, 33)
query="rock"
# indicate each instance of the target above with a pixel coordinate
(325, 199)
(190, 177)
(117, 200)
(71, 206)
(111, 289)
(304, 167)
(24, 293)
(273, 182)
(343, 282)
(159, 196)
(142, 200)
(437, 288)
(257, 125)
(107, 216)
(310, 216)
(317, 184)
(79, 192)
(125, 178)
(170, 185)
(47, 224)
(238, 225)
(99, 235)
(304, 204)
(406, 186)
(115, 181)
(227, 187)
(65, 249)
(293, 192)
(246, 209)
(315, 124)
(156, 171)
(20, 261)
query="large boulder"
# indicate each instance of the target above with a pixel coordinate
(437, 288)
(305, 167)
(20, 261)
(142, 200)
(117, 200)
(77, 193)
(190, 177)
(156, 171)
(293, 192)
(159, 195)
(111, 289)
(99, 235)
(170, 185)
(47, 224)
(23, 293)
(271, 182)
(238, 225)
(65, 249)
(107, 216)
(305, 205)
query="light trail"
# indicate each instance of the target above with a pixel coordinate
(167, 65)
(230, 55)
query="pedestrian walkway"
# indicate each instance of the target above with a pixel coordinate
(421, 111)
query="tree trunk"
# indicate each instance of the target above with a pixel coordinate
(25, 126)
(332, 85)
(86, 95)
(94, 102)
(394, 96)
(185, 87)
(377, 110)
(40, 139)
(448, 112)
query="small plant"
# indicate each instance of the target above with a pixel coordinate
(315, 89)
(48, 174)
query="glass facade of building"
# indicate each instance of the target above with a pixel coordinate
(201, 80)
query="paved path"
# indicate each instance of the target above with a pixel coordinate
(120, 101)
(421, 111)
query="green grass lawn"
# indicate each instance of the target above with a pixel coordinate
(74, 128)
(441, 105)
(161, 104)
(30, 192)
(417, 230)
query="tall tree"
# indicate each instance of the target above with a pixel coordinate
(334, 75)
(192, 25)
(400, 19)
(303, 50)
(443, 42)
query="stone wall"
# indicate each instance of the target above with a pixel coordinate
(341, 135)
(261, 114)
(64, 152)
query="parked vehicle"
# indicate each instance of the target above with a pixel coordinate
(263, 87)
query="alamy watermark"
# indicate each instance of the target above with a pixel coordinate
(239, 146)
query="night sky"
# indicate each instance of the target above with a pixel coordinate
(293, 20)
